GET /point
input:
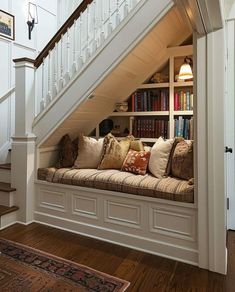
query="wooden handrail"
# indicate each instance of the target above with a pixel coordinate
(56, 38)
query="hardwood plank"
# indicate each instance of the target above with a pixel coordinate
(146, 272)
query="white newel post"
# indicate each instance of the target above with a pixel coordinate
(23, 145)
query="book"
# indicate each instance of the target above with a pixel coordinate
(176, 101)
(187, 100)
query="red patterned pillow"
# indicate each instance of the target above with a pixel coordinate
(136, 162)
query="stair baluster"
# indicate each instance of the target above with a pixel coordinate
(61, 81)
(126, 8)
(55, 68)
(110, 25)
(67, 74)
(80, 59)
(118, 16)
(49, 96)
(43, 102)
(74, 66)
(94, 43)
(87, 52)
(102, 34)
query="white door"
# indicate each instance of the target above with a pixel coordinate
(229, 123)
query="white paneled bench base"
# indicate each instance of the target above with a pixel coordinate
(161, 227)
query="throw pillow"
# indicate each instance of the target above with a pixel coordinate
(136, 162)
(176, 141)
(89, 152)
(159, 157)
(137, 145)
(68, 151)
(114, 152)
(182, 161)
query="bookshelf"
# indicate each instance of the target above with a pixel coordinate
(159, 109)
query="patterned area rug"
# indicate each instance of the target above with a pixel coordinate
(24, 269)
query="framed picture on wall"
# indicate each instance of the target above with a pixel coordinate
(7, 25)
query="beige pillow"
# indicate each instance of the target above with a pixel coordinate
(89, 152)
(137, 145)
(159, 157)
(114, 152)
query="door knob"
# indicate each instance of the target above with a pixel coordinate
(227, 149)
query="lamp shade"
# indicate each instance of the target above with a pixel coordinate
(185, 72)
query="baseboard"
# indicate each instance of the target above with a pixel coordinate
(158, 248)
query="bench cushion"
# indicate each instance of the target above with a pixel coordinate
(115, 180)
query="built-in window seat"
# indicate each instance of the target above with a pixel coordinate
(156, 214)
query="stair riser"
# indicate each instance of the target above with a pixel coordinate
(7, 199)
(8, 219)
(5, 175)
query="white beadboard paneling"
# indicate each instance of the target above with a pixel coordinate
(4, 106)
(4, 65)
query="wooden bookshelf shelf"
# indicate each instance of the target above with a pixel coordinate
(136, 114)
(183, 113)
(183, 84)
(154, 85)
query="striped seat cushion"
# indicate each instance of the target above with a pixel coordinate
(115, 180)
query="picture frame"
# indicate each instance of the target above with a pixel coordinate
(7, 25)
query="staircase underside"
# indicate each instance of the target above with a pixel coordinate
(150, 54)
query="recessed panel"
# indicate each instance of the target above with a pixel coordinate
(172, 223)
(52, 200)
(84, 206)
(122, 214)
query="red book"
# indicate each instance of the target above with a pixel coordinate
(176, 101)
(133, 102)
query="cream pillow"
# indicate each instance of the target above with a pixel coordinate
(160, 153)
(89, 152)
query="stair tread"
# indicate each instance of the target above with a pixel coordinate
(6, 187)
(5, 166)
(5, 210)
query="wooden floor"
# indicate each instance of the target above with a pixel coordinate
(147, 273)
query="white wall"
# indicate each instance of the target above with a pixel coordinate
(65, 9)
(21, 47)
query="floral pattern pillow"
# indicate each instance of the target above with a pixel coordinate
(136, 162)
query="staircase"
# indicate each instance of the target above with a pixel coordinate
(76, 70)
(8, 212)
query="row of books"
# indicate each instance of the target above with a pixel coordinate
(150, 128)
(183, 100)
(184, 127)
(142, 101)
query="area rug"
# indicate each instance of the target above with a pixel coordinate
(25, 269)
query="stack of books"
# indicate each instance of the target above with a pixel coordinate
(184, 127)
(183, 101)
(150, 128)
(150, 100)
